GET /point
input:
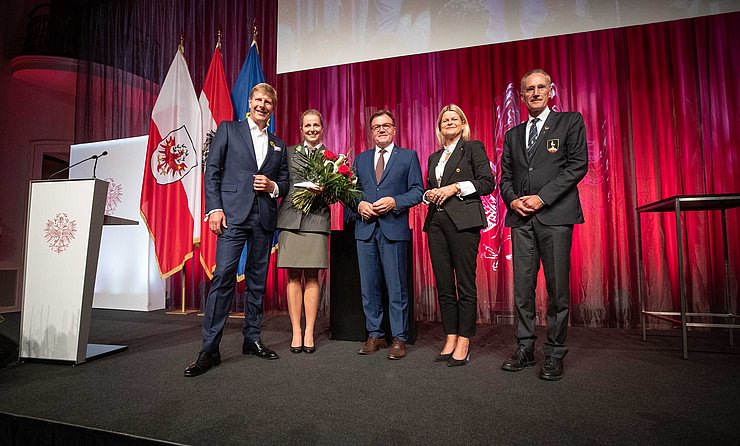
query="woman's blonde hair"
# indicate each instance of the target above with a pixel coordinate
(461, 114)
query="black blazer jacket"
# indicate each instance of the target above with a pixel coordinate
(559, 162)
(468, 162)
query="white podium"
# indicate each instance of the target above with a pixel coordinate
(65, 223)
(128, 276)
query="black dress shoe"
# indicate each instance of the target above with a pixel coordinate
(443, 357)
(296, 349)
(518, 361)
(258, 349)
(205, 361)
(552, 369)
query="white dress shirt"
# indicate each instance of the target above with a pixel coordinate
(466, 187)
(386, 155)
(259, 141)
(542, 118)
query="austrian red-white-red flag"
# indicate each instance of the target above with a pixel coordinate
(215, 106)
(171, 188)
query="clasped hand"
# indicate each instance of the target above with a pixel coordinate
(527, 205)
(439, 195)
(379, 207)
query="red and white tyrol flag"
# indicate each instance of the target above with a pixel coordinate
(215, 106)
(171, 188)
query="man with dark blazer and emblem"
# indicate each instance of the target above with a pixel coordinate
(390, 178)
(246, 171)
(543, 161)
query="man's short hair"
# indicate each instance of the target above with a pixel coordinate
(381, 113)
(536, 71)
(265, 88)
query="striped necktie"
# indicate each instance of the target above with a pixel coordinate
(532, 137)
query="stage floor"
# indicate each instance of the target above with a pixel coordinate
(616, 390)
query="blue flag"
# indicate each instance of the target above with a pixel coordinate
(250, 75)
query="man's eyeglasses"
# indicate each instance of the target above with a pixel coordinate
(540, 87)
(377, 127)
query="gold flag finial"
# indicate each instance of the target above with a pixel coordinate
(181, 46)
(218, 42)
(254, 30)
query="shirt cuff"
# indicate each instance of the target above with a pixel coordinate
(424, 198)
(466, 188)
(275, 193)
(211, 212)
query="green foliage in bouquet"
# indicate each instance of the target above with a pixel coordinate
(330, 172)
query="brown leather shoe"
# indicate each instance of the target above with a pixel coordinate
(372, 345)
(398, 349)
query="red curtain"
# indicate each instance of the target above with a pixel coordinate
(657, 101)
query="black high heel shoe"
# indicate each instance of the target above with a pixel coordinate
(443, 357)
(458, 362)
(309, 350)
(296, 349)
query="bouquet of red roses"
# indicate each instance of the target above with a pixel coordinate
(331, 174)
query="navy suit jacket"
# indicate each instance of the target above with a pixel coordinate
(230, 170)
(401, 180)
(559, 162)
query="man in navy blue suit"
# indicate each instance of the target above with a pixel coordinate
(390, 177)
(246, 171)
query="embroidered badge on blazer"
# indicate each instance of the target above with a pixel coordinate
(553, 145)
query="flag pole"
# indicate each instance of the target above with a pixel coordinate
(182, 310)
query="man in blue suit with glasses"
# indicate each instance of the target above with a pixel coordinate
(390, 177)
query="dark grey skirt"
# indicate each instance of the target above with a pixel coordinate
(303, 250)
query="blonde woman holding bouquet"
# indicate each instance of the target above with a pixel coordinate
(303, 243)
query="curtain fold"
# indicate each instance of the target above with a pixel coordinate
(658, 102)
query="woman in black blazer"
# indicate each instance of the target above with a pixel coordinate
(458, 175)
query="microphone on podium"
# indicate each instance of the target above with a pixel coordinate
(92, 157)
(95, 166)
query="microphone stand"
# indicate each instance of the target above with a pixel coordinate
(95, 157)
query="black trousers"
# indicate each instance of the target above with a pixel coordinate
(533, 243)
(454, 254)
